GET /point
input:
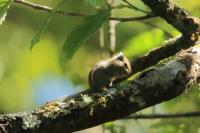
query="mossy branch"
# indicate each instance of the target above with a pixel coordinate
(87, 109)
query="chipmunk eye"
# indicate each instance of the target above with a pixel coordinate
(125, 64)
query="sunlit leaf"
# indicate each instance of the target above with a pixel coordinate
(82, 33)
(4, 5)
(43, 27)
(108, 124)
(143, 42)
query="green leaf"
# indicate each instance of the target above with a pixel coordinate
(4, 5)
(144, 42)
(43, 27)
(81, 33)
(95, 2)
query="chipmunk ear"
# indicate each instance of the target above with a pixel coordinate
(120, 56)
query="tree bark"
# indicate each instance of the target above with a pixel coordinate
(175, 15)
(178, 17)
(87, 109)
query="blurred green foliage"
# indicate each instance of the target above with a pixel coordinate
(19, 67)
(147, 40)
(113, 128)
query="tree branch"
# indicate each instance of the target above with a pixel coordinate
(162, 83)
(48, 9)
(167, 49)
(127, 19)
(175, 15)
(87, 109)
(181, 20)
(164, 116)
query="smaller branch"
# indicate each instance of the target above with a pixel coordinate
(175, 15)
(101, 41)
(126, 19)
(146, 12)
(112, 36)
(112, 32)
(135, 8)
(167, 49)
(164, 116)
(48, 9)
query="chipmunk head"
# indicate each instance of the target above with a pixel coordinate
(121, 64)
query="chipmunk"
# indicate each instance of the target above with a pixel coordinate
(105, 72)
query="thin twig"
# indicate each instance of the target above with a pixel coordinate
(101, 41)
(126, 19)
(147, 23)
(48, 9)
(112, 34)
(135, 8)
(164, 116)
